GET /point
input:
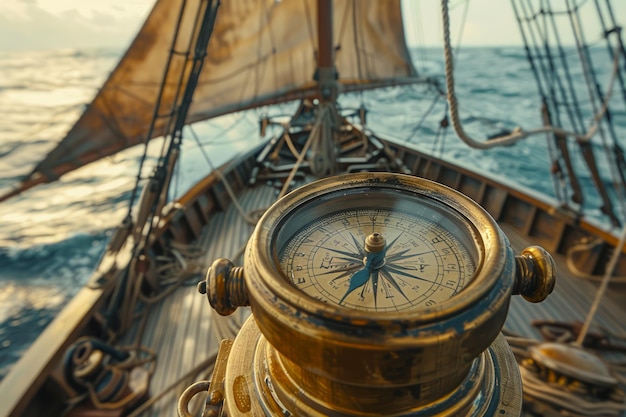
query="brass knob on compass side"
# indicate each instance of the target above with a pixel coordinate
(535, 274)
(225, 287)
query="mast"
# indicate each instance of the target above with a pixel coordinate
(324, 149)
(326, 73)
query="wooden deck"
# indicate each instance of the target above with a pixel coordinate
(185, 331)
(569, 301)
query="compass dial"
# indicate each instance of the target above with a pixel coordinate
(399, 253)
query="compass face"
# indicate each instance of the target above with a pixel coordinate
(377, 250)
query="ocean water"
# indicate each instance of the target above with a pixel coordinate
(52, 237)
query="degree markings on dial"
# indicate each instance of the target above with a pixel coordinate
(400, 256)
(296, 281)
(351, 255)
(357, 245)
(398, 271)
(392, 281)
(422, 260)
(334, 232)
(374, 287)
(347, 260)
(373, 217)
(346, 272)
(359, 215)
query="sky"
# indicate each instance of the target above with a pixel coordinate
(46, 24)
(57, 24)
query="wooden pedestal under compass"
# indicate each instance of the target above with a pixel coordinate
(374, 294)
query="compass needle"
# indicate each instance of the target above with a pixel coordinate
(358, 279)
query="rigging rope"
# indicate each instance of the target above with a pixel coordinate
(314, 136)
(603, 286)
(518, 133)
(424, 116)
(128, 282)
(462, 26)
(442, 133)
(562, 98)
(571, 255)
(593, 88)
(247, 217)
(157, 108)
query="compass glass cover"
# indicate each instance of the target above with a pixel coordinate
(377, 249)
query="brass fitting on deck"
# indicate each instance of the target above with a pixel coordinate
(225, 287)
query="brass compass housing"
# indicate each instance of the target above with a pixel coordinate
(375, 294)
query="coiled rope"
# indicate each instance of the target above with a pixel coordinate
(557, 395)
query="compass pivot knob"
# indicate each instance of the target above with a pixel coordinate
(225, 287)
(535, 274)
(374, 243)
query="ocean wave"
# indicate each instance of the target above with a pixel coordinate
(79, 250)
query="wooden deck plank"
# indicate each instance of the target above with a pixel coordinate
(569, 301)
(183, 328)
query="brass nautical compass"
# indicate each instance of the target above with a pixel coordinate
(374, 294)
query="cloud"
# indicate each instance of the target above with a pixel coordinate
(26, 25)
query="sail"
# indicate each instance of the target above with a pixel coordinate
(260, 52)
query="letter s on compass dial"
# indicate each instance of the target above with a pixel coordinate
(378, 250)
